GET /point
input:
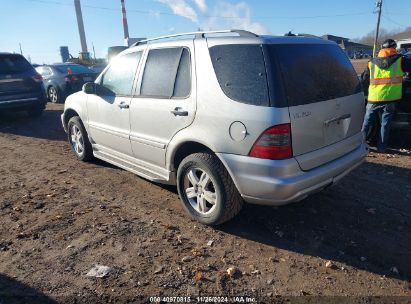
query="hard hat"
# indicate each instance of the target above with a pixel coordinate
(388, 44)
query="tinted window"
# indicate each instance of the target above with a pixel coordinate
(167, 73)
(74, 68)
(13, 64)
(406, 46)
(182, 86)
(314, 73)
(241, 73)
(120, 75)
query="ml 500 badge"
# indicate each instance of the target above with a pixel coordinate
(301, 114)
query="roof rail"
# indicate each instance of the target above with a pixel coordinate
(198, 35)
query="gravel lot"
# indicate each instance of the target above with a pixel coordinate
(60, 217)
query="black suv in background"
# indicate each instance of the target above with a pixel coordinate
(402, 118)
(63, 79)
(21, 87)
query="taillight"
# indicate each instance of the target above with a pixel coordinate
(274, 143)
(70, 78)
(37, 78)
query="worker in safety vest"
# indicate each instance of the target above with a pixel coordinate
(385, 74)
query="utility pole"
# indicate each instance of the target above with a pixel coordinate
(79, 15)
(378, 6)
(94, 53)
(125, 23)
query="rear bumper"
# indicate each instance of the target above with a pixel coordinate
(23, 102)
(278, 182)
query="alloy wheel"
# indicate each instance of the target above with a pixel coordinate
(53, 94)
(77, 140)
(200, 191)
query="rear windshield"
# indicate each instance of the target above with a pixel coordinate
(313, 73)
(240, 71)
(13, 64)
(75, 69)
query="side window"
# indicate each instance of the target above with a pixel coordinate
(120, 75)
(43, 71)
(47, 71)
(167, 73)
(240, 71)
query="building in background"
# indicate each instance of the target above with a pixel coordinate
(352, 49)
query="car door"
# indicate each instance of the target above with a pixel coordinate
(165, 101)
(109, 109)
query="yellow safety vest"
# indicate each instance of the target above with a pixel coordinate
(385, 84)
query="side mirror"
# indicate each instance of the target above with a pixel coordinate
(89, 88)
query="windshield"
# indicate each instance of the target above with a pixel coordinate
(406, 47)
(314, 72)
(74, 68)
(13, 64)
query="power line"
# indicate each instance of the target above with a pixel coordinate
(387, 16)
(208, 16)
(395, 22)
(388, 13)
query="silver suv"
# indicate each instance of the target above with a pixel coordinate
(226, 116)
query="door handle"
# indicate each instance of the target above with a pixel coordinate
(123, 105)
(179, 112)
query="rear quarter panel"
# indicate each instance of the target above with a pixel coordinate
(216, 113)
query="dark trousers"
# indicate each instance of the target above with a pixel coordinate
(388, 111)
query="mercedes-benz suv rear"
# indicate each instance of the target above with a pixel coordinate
(226, 118)
(21, 87)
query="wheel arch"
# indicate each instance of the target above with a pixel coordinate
(68, 114)
(185, 149)
(53, 84)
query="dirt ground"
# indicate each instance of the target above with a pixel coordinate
(60, 217)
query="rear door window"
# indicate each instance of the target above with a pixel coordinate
(11, 64)
(44, 71)
(241, 73)
(167, 73)
(182, 85)
(314, 73)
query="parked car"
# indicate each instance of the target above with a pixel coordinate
(21, 87)
(260, 119)
(402, 118)
(63, 79)
(98, 68)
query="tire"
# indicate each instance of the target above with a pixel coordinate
(202, 179)
(78, 139)
(54, 95)
(35, 112)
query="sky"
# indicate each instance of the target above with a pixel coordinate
(42, 26)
